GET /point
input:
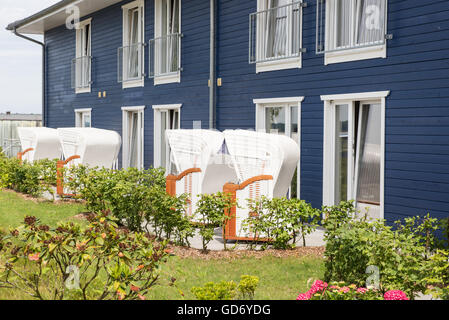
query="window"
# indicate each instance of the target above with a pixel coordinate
(281, 116)
(166, 117)
(275, 35)
(131, 55)
(81, 65)
(354, 29)
(133, 137)
(354, 151)
(165, 48)
(83, 118)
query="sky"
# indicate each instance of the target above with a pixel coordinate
(20, 60)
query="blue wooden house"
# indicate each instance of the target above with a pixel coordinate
(361, 85)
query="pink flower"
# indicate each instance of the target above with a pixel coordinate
(304, 296)
(362, 290)
(395, 295)
(344, 290)
(318, 286)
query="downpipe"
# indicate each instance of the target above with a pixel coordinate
(212, 68)
(43, 71)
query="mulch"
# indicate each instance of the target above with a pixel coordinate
(299, 252)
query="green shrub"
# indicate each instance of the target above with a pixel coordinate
(211, 213)
(224, 290)
(227, 290)
(281, 220)
(247, 286)
(354, 244)
(437, 278)
(98, 261)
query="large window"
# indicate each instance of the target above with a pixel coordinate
(165, 48)
(83, 118)
(133, 137)
(131, 55)
(275, 35)
(354, 152)
(281, 116)
(166, 117)
(351, 29)
(81, 65)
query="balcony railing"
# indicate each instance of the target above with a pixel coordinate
(275, 33)
(344, 24)
(81, 72)
(130, 62)
(165, 55)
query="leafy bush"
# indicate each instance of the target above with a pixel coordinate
(281, 220)
(227, 290)
(224, 290)
(136, 197)
(211, 212)
(98, 261)
(247, 286)
(437, 278)
(354, 243)
(31, 178)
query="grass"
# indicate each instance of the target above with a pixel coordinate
(13, 208)
(280, 278)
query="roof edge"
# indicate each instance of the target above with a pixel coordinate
(19, 23)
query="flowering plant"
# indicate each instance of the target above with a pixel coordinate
(338, 291)
(395, 295)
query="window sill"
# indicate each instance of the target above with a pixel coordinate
(169, 78)
(356, 54)
(82, 90)
(133, 83)
(283, 64)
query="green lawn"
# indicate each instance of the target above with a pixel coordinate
(280, 278)
(13, 208)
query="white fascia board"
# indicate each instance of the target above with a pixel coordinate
(356, 96)
(278, 100)
(138, 108)
(83, 110)
(167, 106)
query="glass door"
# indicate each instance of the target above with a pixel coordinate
(284, 120)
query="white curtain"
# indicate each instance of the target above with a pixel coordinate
(133, 49)
(133, 139)
(370, 21)
(169, 31)
(276, 28)
(368, 154)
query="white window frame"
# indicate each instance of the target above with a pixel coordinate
(170, 78)
(79, 117)
(125, 41)
(372, 52)
(329, 142)
(281, 64)
(80, 27)
(157, 110)
(126, 111)
(262, 104)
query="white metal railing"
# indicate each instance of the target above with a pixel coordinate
(275, 33)
(130, 62)
(165, 55)
(81, 72)
(350, 24)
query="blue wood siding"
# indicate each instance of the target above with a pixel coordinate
(416, 72)
(192, 92)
